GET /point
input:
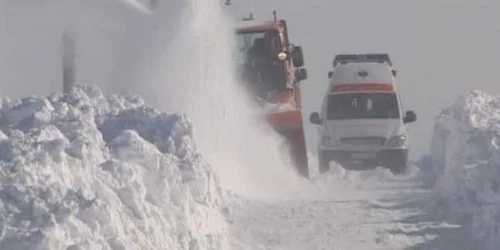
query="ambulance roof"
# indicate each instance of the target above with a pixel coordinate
(369, 76)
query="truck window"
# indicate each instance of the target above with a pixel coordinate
(266, 43)
(362, 106)
(259, 64)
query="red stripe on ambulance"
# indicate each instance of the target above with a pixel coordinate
(362, 87)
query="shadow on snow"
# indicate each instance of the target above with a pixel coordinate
(427, 220)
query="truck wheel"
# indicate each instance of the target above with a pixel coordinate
(323, 163)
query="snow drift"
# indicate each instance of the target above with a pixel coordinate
(84, 171)
(466, 160)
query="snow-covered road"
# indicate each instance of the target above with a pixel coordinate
(348, 210)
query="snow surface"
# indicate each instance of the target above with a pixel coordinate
(277, 107)
(347, 210)
(465, 161)
(85, 171)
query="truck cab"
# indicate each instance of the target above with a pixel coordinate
(362, 122)
(270, 66)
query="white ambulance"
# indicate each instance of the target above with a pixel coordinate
(362, 123)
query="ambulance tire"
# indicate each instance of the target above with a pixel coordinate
(398, 168)
(323, 163)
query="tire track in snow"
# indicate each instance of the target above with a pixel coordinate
(347, 210)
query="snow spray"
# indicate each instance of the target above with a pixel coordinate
(198, 77)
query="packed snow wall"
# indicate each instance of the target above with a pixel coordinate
(466, 162)
(85, 171)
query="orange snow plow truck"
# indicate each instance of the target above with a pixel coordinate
(272, 70)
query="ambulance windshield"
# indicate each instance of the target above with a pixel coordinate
(362, 106)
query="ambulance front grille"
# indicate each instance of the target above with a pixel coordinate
(363, 141)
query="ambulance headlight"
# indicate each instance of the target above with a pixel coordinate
(396, 141)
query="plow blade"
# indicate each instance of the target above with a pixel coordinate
(290, 125)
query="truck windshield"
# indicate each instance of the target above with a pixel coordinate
(261, 70)
(362, 106)
(265, 43)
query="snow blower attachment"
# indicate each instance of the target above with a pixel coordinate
(271, 70)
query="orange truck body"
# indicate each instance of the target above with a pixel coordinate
(288, 123)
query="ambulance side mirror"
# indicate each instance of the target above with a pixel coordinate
(394, 72)
(330, 74)
(314, 118)
(410, 117)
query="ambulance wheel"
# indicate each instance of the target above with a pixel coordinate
(398, 170)
(396, 161)
(398, 167)
(323, 163)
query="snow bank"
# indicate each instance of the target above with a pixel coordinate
(466, 160)
(275, 107)
(84, 171)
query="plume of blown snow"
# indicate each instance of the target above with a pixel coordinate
(84, 171)
(466, 161)
(143, 6)
(196, 75)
